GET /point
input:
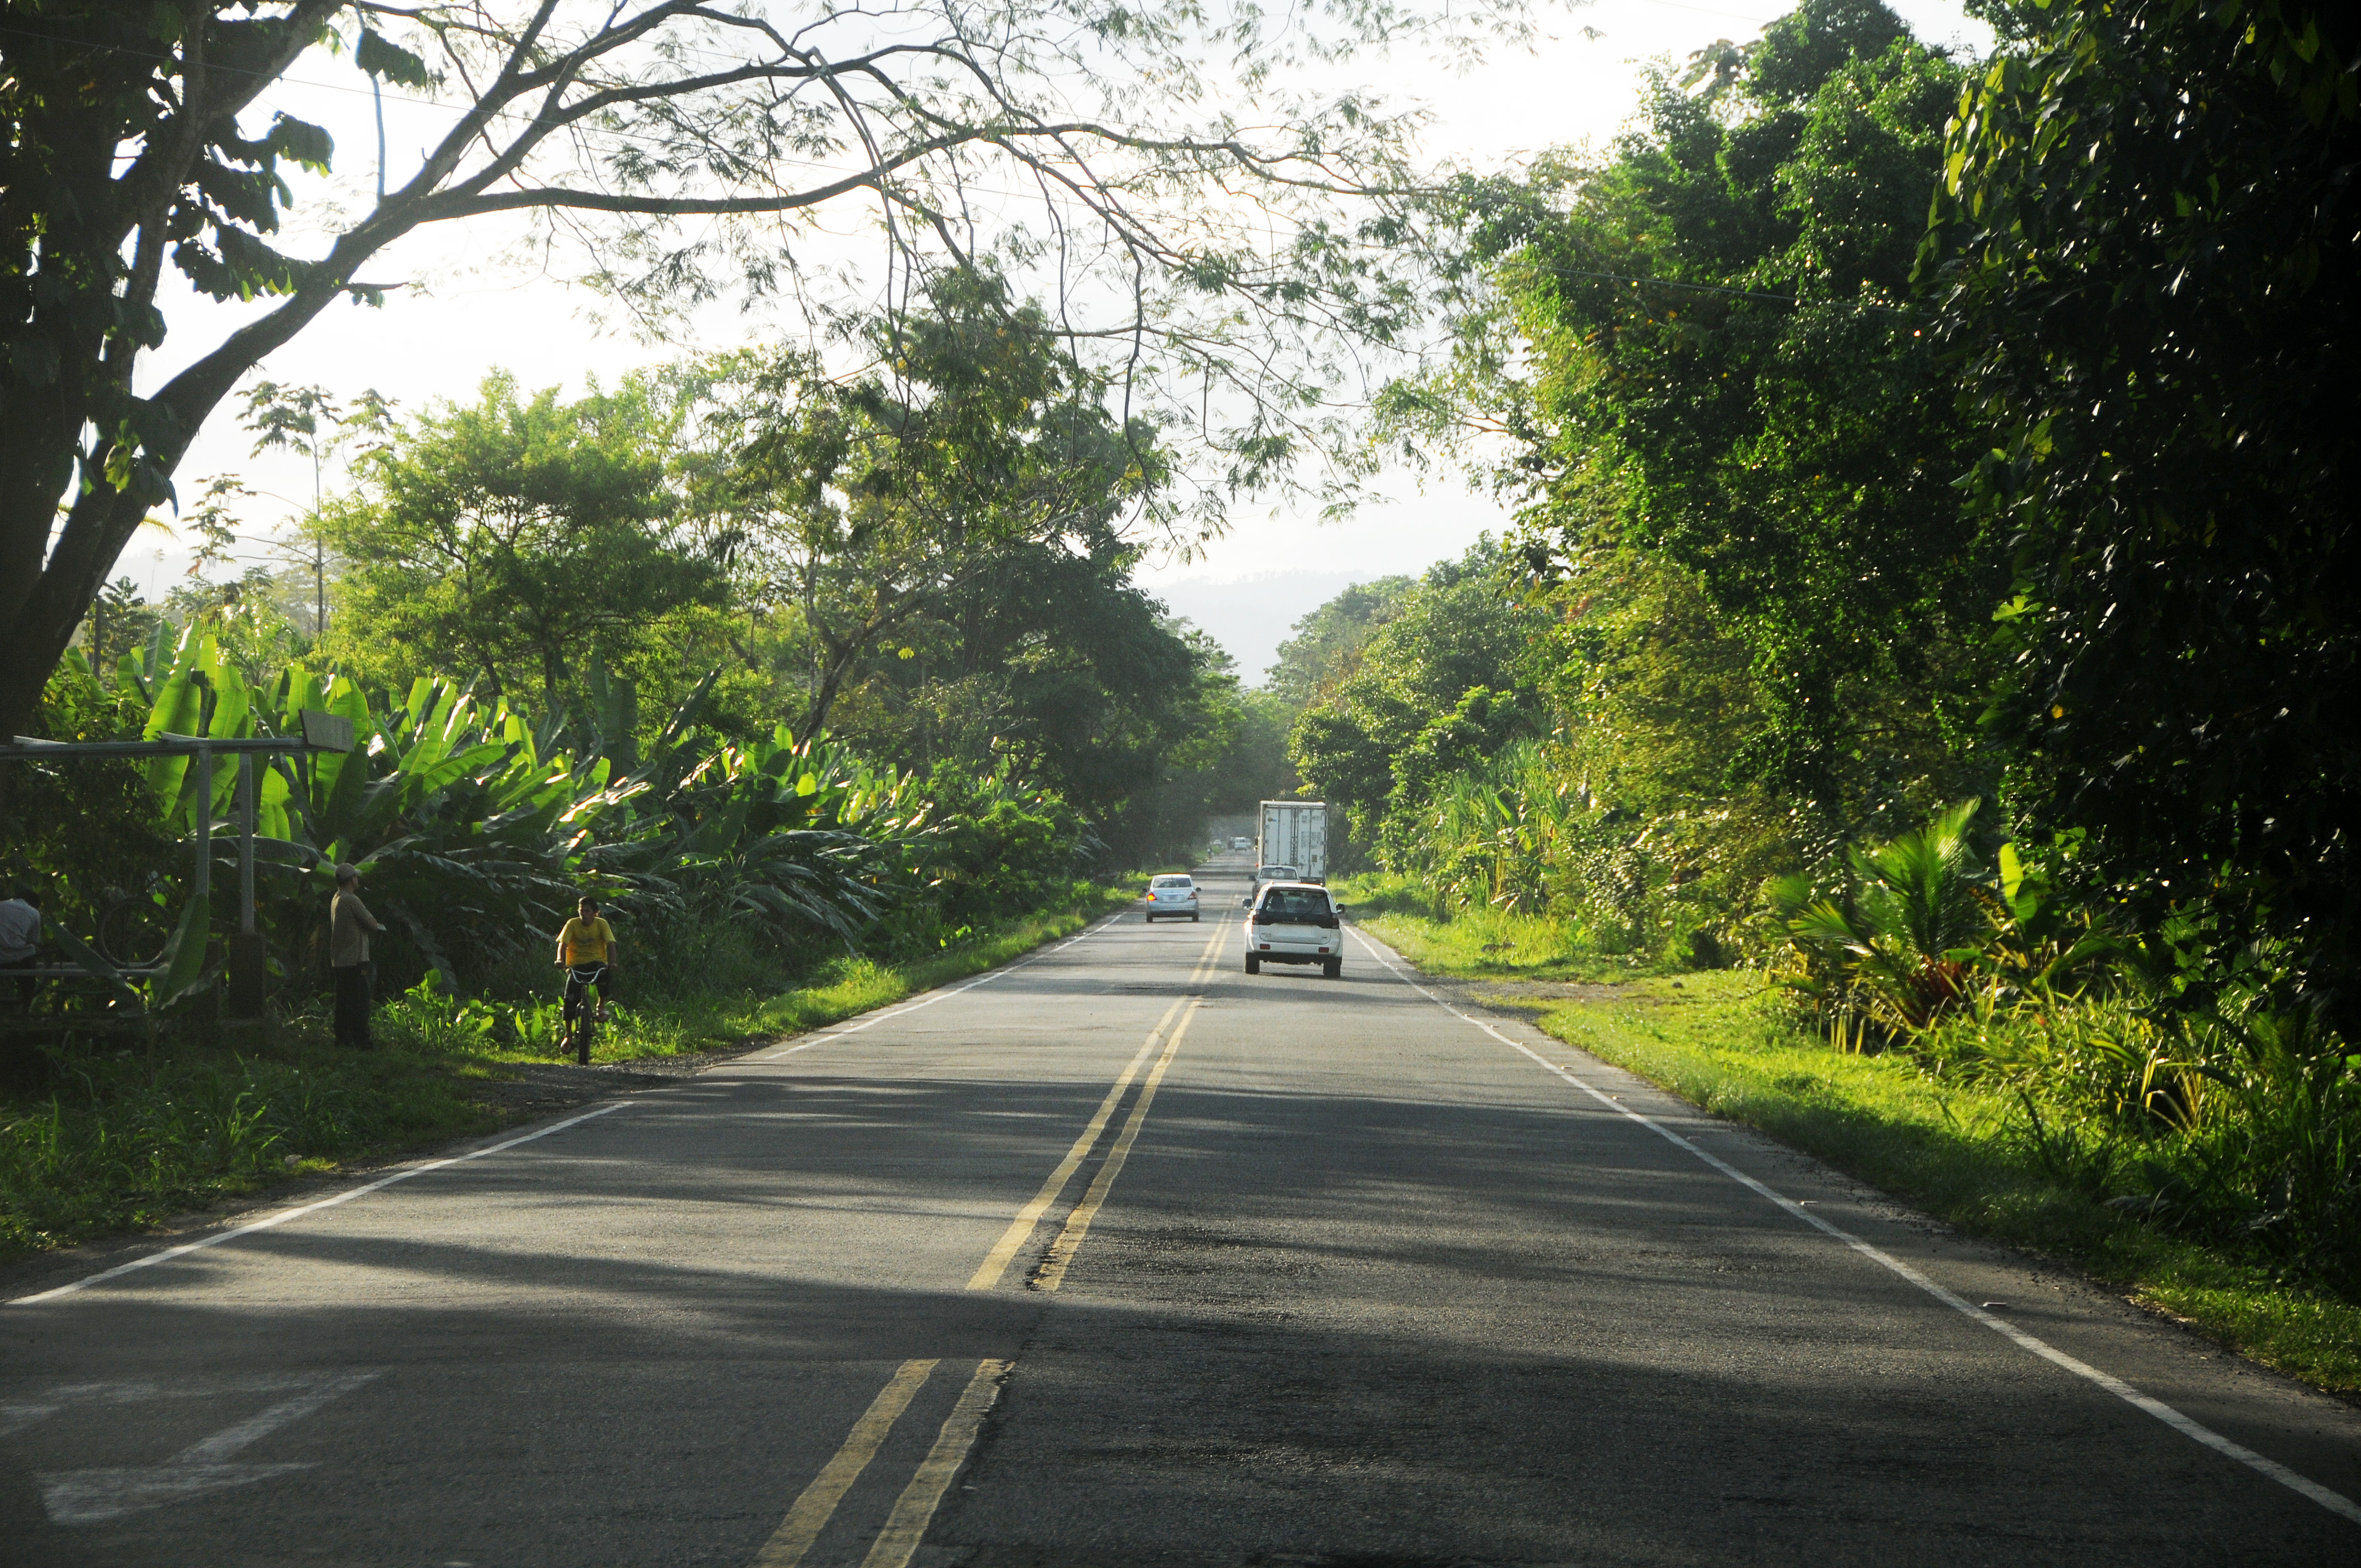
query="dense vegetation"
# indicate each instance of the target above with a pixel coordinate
(1930, 591)
(1949, 616)
(818, 683)
(596, 645)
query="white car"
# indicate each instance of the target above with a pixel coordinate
(1268, 874)
(1174, 897)
(1242, 843)
(1295, 923)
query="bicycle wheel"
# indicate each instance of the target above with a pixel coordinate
(133, 931)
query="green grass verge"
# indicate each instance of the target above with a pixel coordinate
(1486, 943)
(108, 1144)
(1714, 1040)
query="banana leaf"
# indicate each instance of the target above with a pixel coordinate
(96, 964)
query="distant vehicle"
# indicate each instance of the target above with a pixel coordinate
(1268, 875)
(1295, 923)
(1242, 842)
(1171, 897)
(1295, 835)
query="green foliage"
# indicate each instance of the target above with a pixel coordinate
(998, 845)
(514, 539)
(1898, 946)
(974, 449)
(1327, 644)
(1463, 627)
(84, 830)
(476, 834)
(1725, 376)
(120, 620)
(2147, 286)
(115, 1143)
(2240, 1120)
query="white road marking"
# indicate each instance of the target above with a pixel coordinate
(280, 1218)
(945, 994)
(89, 1496)
(284, 1216)
(17, 1414)
(2196, 1432)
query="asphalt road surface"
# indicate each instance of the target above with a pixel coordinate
(1120, 1256)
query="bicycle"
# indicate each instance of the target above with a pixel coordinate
(581, 1017)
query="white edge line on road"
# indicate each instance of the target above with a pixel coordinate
(2196, 1432)
(268, 1220)
(932, 997)
(280, 1218)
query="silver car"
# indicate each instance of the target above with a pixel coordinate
(1172, 897)
(1268, 875)
(1295, 923)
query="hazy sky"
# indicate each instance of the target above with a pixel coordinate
(473, 316)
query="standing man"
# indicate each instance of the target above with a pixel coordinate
(20, 940)
(349, 925)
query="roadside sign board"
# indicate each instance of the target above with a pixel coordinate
(324, 731)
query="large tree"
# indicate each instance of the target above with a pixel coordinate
(510, 540)
(134, 141)
(971, 445)
(1465, 628)
(1705, 350)
(2148, 256)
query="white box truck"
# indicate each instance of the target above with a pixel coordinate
(1294, 833)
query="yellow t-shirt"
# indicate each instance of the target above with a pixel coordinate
(589, 941)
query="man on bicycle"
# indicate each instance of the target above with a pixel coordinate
(587, 951)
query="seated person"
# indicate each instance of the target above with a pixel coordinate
(587, 950)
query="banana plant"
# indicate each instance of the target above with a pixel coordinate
(2040, 945)
(184, 969)
(475, 832)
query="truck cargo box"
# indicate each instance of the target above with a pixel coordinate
(1294, 833)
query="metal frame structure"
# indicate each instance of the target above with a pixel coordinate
(322, 733)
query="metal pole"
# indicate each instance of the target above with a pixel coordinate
(249, 961)
(246, 842)
(204, 821)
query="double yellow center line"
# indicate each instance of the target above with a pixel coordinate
(915, 1509)
(1020, 1229)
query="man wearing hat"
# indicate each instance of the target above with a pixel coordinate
(349, 925)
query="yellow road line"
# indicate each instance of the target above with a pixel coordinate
(812, 1510)
(915, 1509)
(1206, 959)
(996, 1263)
(1078, 1223)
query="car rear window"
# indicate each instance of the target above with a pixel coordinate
(1284, 904)
(1171, 881)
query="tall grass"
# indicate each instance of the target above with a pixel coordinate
(1435, 931)
(2242, 1127)
(109, 1145)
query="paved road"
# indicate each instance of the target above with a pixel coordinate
(1122, 1257)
